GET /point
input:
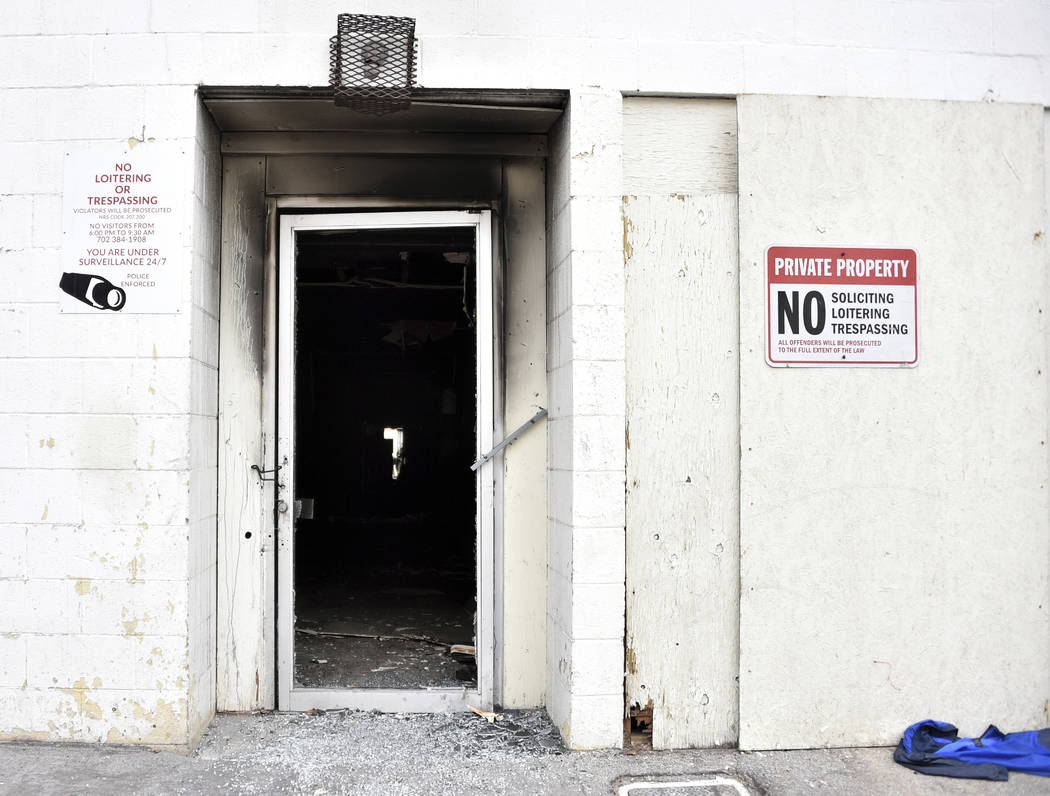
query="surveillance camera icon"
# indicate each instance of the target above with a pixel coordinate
(95, 291)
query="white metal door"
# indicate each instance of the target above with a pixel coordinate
(291, 697)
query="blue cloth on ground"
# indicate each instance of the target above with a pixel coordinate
(934, 747)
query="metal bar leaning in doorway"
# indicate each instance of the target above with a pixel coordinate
(510, 438)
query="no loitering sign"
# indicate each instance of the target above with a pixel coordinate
(837, 306)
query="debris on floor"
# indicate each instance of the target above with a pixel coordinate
(488, 715)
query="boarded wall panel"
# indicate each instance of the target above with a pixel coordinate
(678, 145)
(245, 607)
(894, 522)
(682, 536)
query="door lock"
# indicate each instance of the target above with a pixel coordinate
(282, 506)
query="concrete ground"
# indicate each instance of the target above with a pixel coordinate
(370, 753)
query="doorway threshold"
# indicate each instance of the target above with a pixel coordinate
(385, 700)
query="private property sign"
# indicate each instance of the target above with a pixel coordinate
(841, 306)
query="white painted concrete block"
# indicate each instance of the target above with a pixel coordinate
(58, 114)
(45, 61)
(13, 671)
(559, 389)
(33, 496)
(584, 60)
(30, 274)
(118, 60)
(32, 385)
(597, 332)
(598, 499)
(112, 16)
(54, 334)
(559, 601)
(104, 551)
(598, 556)
(47, 221)
(598, 442)
(598, 387)
(597, 613)
(560, 550)
(1021, 27)
(945, 27)
(867, 23)
(13, 543)
(664, 66)
(597, 722)
(152, 717)
(597, 224)
(31, 167)
(784, 69)
(23, 19)
(448, 60)
(560, 443)
(117, 607)
(48, 550)
(744, 20)
(43, 714)
(13, 440)
(161, 662)
(14, 336)
(594, 119)
(236, 16)
(596, 169)
(557, 696)
(78, 661)
(79, 441)
(160, 386)
(47, 606)
(598, 277)
(16, 219)
(597, 668)
(158, 497)
(204, 336)
(162, 442)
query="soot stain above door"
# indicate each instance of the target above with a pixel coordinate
(384, 568)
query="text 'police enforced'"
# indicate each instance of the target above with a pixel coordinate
(828, 307)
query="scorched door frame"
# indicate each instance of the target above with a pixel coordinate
(413, 700)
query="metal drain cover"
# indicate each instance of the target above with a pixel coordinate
(686, 785)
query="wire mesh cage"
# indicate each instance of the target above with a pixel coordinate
(373, 63)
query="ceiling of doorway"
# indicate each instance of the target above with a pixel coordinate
(284, 109)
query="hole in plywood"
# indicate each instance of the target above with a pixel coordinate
(638, 728)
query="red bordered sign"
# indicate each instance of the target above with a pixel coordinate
(838, 306)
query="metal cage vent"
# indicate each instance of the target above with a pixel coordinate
(373, 63)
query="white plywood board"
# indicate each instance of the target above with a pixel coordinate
(894, 523)
(679, 145)
(244, 609)
(682, 465)
(524, 559)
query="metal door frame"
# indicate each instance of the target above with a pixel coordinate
(412, 700)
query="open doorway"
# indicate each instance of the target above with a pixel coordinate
(383, 545)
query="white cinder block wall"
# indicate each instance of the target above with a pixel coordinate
(107, 476)
(585, 431)
(104, 453)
